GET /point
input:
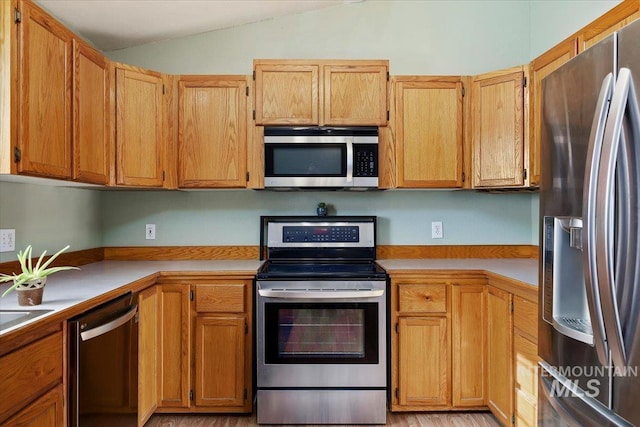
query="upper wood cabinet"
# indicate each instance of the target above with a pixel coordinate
(92, 154)
(498, 129)
(43, 146)
(541, 67)
(56, 116)
(305, 92)
(140, 132)
(427, 117)
(621, 15)
(212, 131)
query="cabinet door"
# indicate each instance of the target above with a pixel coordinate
(499, 351)
(541, 67)
(212, 131)
(423, 359)
(91, 143)
(287, 94)
(174, 365)
(469, 345)
(429, 131)
(526, 380)
(139, 128)
(147, 354)
(621, 15)
(498, 137)
(44, 116)
(219, 360)
(355, 95)
(46, 411)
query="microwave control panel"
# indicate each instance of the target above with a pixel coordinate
(365, 162)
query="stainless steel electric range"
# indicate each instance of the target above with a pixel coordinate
(321, 322)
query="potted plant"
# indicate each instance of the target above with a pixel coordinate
(29, 284)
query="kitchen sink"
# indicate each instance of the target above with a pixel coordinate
(9, 318)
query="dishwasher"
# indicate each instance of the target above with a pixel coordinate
(103, 364)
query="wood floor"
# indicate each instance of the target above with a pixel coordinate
(426, 419)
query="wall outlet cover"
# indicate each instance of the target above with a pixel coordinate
(7, 240)
(436, 230)
(150, 232)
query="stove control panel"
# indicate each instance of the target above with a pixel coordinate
(314, 233)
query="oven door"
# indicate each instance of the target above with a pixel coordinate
(325, 340)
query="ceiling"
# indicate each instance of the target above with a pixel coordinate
(118, 24)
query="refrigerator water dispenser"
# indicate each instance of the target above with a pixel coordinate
(564, 291)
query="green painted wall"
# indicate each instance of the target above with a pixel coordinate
(50, 217)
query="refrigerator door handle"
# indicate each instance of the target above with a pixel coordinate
(589, 219)
(623, 97)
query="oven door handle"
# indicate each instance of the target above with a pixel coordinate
(268, 293)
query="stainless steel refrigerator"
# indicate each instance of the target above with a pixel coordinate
(589, 323)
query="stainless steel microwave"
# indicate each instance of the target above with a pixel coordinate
(321, 157)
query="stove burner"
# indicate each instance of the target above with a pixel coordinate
(298, 269)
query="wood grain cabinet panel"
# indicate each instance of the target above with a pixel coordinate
(498, 129)
(321, 92)
(140, 145)
(541, 67)
(500, 388)
(44, 114)
(355, 95)
(46, 411)
(174, 341)
(148, 339)
(29, 372)
(219, 358)
(92, 156)
(429, 131)
(287, 94)
(416, 298)
(220, 298)
(469, 329)
(423, 361)
(624, 13)
(212, 131)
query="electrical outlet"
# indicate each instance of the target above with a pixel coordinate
(150, 232)
(436, 230)
(7, 240)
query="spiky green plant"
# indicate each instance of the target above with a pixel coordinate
(29, 272)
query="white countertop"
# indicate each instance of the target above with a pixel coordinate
(68, 288)
(523, 270)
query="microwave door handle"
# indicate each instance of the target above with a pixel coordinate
(623, 100)
(589, 218)
(349, 144)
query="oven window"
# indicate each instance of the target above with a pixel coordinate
(305, 160)
(321, 333)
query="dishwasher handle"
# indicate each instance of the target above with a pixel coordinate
(109, 326)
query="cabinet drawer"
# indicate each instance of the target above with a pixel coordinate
(220, 298)
(525, 316)
(422, 298)
(30, 371)
(526, 357)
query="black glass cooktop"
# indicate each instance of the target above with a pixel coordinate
(333, 269)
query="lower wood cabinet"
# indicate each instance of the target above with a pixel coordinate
(46, 411)
(499, 354)
(437, 342)
(148, 334)
(205, 351)
(525, 361)
(31, 390)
